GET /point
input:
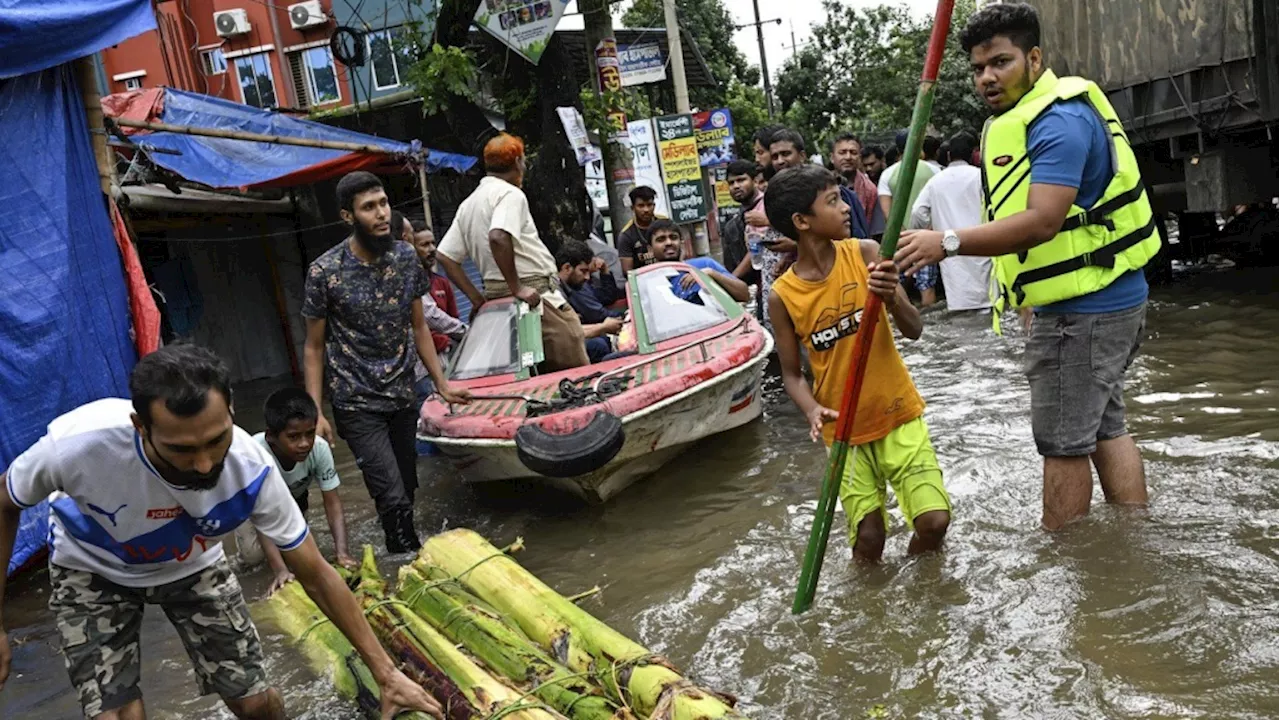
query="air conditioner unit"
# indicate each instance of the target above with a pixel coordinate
(231, 23)
(306, 14)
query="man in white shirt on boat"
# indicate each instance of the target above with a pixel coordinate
(494, 228)
(141, 493)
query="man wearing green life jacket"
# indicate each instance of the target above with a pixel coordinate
(1070, 228)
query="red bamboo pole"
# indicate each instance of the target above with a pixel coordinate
(821, 531)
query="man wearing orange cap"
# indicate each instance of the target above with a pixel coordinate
(494, 228)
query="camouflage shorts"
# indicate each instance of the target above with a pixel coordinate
(100, 622)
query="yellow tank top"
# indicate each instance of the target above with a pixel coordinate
(826, 316)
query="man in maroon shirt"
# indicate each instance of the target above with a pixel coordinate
(444, 323)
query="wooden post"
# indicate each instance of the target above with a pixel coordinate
(254, 137)
(88, 81)
(426, 191)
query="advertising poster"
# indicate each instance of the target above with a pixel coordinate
(681, 171)
(524, 25)
(714, 133)
(575, 129)
(644, 160)
(642, 63)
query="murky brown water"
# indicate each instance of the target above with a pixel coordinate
(1167, 613)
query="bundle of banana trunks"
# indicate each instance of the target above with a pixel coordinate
(490, 641)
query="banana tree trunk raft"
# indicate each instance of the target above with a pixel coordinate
(328, 651)
(433, 661)
(465, 619)
(822, 517)
(637, 677)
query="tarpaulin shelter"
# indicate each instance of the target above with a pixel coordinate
(231, 160)
(64, 312)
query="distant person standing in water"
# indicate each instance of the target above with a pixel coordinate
(365, 329)
(1070, 227)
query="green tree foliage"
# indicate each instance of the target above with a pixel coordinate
(862, 70)
(711, 26)
(750, 112)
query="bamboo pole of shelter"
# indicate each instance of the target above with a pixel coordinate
(817, 548)
(283, 140)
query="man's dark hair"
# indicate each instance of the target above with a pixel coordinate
(793, 191)
(181, 375)
(962, 145)
(930, 146)
(845, 136)
(286, 405)
(664, 224)
(573, 253)
(764, 135)
(900, 141)
(944, 153)
(891, 155)
(397, 224)
(419, 224)
(354, 183)
(788, 135)
(1017, 21)
(642, 192)
(742, 167)
(873, 151)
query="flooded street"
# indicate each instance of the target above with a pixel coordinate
(1169, 612)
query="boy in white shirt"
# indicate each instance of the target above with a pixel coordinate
(302, 458)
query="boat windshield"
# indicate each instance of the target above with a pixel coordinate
(491, 346)
(670, 310)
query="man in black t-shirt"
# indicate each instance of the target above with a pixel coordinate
(633, 241)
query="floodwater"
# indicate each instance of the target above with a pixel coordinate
(1165, 613)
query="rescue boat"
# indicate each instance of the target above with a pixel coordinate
(688, 365)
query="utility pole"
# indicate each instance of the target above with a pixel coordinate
(675, 50)
(602, 61)
(764, 62)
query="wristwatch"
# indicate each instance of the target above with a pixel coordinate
(951, 243)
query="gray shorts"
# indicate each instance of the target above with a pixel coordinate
(99, 622)
(1076, 364)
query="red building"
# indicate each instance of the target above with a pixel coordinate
(265, 53)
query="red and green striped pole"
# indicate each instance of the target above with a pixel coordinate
(818, 536)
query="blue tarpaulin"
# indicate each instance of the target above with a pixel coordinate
(39, 34)
(64, 318)
(64, 314)
(228, 163)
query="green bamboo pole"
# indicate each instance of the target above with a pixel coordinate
(821, 531)
(469, 622)
(433, 661)
(328, 651)
(627, 670)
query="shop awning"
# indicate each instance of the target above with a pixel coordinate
(291, 151)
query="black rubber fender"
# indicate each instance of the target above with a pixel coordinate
(576, 453)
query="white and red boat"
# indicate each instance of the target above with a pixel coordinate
(690, 366)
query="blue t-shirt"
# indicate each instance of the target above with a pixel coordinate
(701, 263)
(1070, 146)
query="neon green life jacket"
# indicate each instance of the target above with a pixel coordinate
(1095, 245)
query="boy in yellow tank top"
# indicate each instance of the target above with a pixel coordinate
(818, 303)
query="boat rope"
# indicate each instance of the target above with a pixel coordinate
(577, 392)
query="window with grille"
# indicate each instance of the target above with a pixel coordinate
(133, 84)
(315, 77)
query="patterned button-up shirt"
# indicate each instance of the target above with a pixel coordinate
(367, 308)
